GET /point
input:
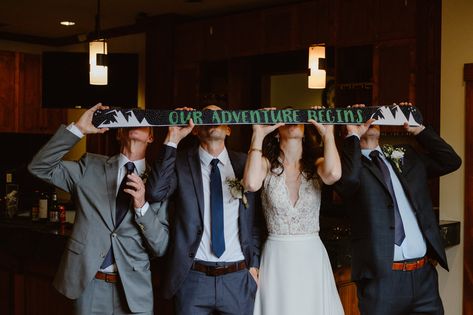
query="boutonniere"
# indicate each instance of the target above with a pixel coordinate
(236, 189)
(395, 155)
(145, 174)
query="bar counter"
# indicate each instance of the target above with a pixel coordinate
(30, 253)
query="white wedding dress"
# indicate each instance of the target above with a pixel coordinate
(295, 273)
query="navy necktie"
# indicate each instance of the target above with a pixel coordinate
(121, 208)
(216, 210)
(399, 233)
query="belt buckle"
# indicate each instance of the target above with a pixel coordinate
(216, 270)
(109, 278)
(404, 266)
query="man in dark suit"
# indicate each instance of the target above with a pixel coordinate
(395, 235)
(213, 254)
(105, 267)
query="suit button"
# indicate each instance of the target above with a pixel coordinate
(391, 227)
(191, 255)
(114, 234)
(199, 232)
(102, 254)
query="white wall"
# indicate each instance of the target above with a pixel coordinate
(457, 49)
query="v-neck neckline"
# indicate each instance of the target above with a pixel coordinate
(286, 188)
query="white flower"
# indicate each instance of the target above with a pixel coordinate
(396, 155)
(236, 189)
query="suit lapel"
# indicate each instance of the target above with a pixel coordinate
(111, 171)
(193, 159)
(375, 171)
(238, 168)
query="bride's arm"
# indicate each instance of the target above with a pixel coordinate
(328, 167)
(257, 165)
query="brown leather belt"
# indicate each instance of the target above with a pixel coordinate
(107, 277)
(218, 270)
(411, 265)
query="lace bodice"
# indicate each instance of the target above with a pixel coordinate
(281, 217)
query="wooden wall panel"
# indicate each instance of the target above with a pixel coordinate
(8, 90)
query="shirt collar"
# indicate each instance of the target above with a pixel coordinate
(206, 157)
(366, 152)
(140, 165)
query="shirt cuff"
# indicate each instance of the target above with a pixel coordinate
(142, 211)
(171, 144)
(73, 128)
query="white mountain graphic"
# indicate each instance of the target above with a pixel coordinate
(122, 121)
(384, 116)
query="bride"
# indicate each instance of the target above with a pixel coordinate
(295, 273)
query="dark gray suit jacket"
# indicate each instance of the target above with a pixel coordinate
(370, 205)
(180, 172)
(92, 183)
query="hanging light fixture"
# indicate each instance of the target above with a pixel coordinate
(317, 75)
(98, 69)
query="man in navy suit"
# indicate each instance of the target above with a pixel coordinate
(395, 234)
(213, 256)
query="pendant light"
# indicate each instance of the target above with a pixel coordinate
(98, 65)
(317, 75)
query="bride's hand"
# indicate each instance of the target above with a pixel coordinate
(323, 130)
(264, 130)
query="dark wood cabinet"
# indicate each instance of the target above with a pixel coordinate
(394, 72)
(347, 291)
(278, 24)
(245, 34)
(354, 22)
(32, 117)
(216, 36)
(313, 23)
(395, 19)
(8, 87)
(20, 100)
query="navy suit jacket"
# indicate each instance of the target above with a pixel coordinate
(370, 205)
(177, 173)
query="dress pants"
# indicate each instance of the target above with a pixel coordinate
(104, 298)
(401, 293)
(232, 293)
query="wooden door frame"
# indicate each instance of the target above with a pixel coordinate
(468, 209)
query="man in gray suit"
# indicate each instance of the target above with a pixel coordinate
(211, 265)
(105, 267)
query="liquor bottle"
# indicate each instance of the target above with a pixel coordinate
(35, 206)
(53, 209)
(43, 207)
(11, 194)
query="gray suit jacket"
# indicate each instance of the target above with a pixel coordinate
(92, 184)
(179, 173)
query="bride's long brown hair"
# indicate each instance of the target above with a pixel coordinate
(311, 151)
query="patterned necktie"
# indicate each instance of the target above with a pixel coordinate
(216, 210)
(399, 233)
(123, 199)
(121, 208)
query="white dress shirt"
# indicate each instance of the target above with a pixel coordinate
(413, 245)
(230, 208)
